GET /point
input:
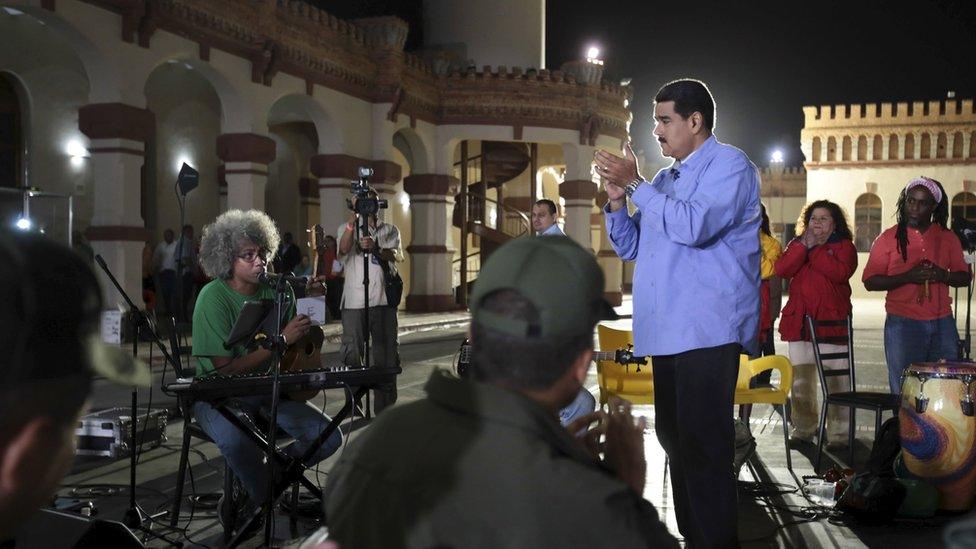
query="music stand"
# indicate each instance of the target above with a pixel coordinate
(249, 322)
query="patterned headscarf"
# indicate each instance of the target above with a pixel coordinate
(928, 184)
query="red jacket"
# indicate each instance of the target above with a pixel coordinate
(819, 285)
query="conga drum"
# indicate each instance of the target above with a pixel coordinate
(938, 429)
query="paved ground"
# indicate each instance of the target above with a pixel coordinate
(772, 511)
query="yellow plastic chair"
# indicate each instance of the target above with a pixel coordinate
(777, 396)
(616, 379)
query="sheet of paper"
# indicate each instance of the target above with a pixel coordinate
(313, 307)
(112, 327)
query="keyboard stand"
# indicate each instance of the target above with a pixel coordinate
(294, 469)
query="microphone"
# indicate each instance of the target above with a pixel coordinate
(272, 279)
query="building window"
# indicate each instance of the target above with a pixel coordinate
(940, 143)
(878, 148)
(846, 151)
(964, 207)
(816, 149)
(909, 147)
(957, 145)
(867, 221)
(893, 147)
(831, 149)
(862, 148)
(11, 138)
(926, 146)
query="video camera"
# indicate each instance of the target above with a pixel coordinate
(366, 201)
(966, 231)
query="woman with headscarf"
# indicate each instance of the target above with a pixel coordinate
(915, 262)
(819, 264)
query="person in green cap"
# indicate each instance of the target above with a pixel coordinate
(483, 461)
(50, 321)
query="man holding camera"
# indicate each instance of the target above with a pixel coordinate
(381, 241)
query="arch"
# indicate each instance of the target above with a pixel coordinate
(963, 207)
(413, 149)
(867, 221)
(862, 148)
(893, 147)
(878, 151)
(103, 77)
(235, 115)
(188, 113)
(925, 145)
(909, 146)
(816, 149)
(831, 149)
(302, 108)
(846, 149)
(941, 144)
(957, 145)
(12, 135)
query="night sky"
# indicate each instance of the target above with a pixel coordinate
(765, 60)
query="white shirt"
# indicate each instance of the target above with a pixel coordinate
(386, 236)
(164, 257)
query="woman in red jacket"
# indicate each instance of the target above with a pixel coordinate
(819, 263)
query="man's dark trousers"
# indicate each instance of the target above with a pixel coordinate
(693, 395)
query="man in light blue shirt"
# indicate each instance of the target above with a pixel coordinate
(544, 218)
(695, 237)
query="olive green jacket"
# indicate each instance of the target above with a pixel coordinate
(475, 465)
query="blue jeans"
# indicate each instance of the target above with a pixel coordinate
(301, 420)
(583, 404)
(908, 341)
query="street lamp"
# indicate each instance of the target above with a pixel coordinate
(593, 55)
(777, 156)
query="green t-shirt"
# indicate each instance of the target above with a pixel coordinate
(216, 310)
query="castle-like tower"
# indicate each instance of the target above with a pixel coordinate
(861, 156)
(783, 190)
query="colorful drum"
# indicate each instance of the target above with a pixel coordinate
(938, 429)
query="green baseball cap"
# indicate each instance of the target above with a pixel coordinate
(557, 275)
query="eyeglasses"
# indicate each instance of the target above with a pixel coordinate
(250, 256)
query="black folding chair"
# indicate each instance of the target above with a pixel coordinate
(852, 399)
(181, 355)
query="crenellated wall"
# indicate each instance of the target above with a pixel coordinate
(920, 132)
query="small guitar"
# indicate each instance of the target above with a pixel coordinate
(620, 356)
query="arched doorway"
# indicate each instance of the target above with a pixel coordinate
(11, 134)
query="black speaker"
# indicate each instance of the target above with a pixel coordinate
(49, 529)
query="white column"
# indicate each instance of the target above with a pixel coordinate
(246, 182)
(431, 248)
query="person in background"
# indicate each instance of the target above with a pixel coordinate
(164, 266)
(819, 264)
(305, 267)
(770, 302)
(186, 257)
(332, 268)
(916, 262)
(51, 317)
(544, 218)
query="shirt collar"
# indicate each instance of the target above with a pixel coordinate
(682, 164)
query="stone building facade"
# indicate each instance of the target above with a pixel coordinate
(861, 156)
(278, 104)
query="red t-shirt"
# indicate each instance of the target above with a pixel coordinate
(938, 245)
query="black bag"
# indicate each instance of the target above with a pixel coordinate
(392, 283)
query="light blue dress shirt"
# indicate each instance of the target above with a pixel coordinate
(695, 237)
(553, 230)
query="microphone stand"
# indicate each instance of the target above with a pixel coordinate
(277, 346)
(134, 516)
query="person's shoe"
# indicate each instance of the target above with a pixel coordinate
(231, 519)
(836, 445)
(309, 506)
